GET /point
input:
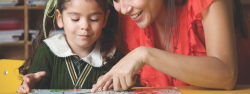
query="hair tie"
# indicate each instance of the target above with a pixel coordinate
(50, 6)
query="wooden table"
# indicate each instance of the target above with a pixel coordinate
(239, 89)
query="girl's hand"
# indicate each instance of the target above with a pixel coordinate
(123, 73)
(30, 81)
(107, 85)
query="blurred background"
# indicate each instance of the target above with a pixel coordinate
(18, 19)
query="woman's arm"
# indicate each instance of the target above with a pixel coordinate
(216, 70)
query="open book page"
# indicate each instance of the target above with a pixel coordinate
(111, 91)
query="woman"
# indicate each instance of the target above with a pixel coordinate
(180, 43)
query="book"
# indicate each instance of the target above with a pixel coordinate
(10, 24)
(36, 2)
(5, 3)
(173, 90)
(10, 36)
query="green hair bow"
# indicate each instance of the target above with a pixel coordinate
(50, 6)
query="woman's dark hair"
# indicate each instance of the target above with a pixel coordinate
(240, 19)
(171, 21)
(108, 33)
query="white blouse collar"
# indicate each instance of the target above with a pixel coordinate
(59, 46)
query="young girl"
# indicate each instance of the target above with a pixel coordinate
(79, 57)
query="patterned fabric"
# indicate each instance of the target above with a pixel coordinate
(61, 72)
(77, 79)
(78, 62)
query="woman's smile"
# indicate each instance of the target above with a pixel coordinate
(136, 17)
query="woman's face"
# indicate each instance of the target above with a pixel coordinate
(143, 12)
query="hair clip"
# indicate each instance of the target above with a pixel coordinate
(50, 6)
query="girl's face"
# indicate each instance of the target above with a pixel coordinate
(143, 12)
(82, 21)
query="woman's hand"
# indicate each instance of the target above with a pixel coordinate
(107, 85)
(30, 81)
(123, 73)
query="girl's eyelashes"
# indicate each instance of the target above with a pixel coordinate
(94, 20)
(75, 20)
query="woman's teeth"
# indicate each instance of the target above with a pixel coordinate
(135, 16)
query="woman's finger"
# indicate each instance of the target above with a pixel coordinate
(100, 88)
(116, 83)
(102, 81)
(130, 81)
(93, 85)
(123, 83)
(111, 86)
(134, 79)
(106, 86)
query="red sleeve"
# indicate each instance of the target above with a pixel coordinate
(199, 5)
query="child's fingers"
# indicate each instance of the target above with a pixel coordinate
(26, 86)
(40, 74)
(26, 78)
(21, 89)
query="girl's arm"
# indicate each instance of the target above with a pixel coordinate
(216, 70)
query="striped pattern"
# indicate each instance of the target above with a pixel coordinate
(70, 69)
(60, 73)
(84, 74)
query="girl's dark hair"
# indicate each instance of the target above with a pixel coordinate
(108, 33)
